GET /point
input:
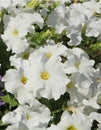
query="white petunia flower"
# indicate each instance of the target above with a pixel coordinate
(51, 51)
(48, 77)
(15, 79)
(27, 97)
(15, 33)
(17, 59)
(29, 116)
(58, 18)
(82, 65)
(75, 35)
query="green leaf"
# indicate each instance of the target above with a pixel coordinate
(5, 98)
(10, 100)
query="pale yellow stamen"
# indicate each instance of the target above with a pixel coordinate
(15, 32)
(72, 109)
(28, 117)
(70, 85)
(77, 65)
(45, 75)
(72, 127)
(25, 55)
(24, 80)
(48, 55)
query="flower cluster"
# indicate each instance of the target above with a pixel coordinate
(47, 63)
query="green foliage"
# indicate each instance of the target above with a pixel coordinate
(4, 58)
(54, 6)
(39, 37)
(3, 127)
(10, 100)
(10, 104)
(90, 44)
(4, 55)
(56, 106)
(93, 47)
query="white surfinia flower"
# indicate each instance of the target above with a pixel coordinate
(58, 18)
(83, 65)
(22, 79)
(17, 59)
(15, 33)
(75, 35)
(72, 122)
(49, 77)
(52, 51)
(27, 97)
(15, 79)
(28, 115)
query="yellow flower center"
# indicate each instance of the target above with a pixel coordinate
(48, 55)
(45, 75)
(25, 55)
(28, 116)
(15, 32)
(72, 127)
(77, 65)
(70, 85)
(24, 80)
